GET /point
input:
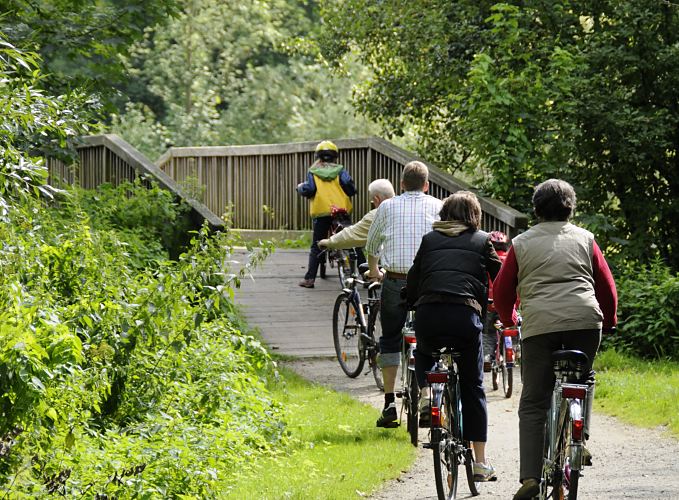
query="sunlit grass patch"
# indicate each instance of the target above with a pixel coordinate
(338, 452)
(639, 392)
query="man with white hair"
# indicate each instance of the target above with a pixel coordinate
(357, 234)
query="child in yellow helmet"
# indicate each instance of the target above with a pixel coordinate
(327, 185)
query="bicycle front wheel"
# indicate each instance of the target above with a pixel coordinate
(346, 334)
(446, 459)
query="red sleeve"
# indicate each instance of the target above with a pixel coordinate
(604, 288)
(504, 289)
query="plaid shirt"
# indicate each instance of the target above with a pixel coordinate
(399, 225)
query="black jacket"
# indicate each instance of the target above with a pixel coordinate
(453, 269)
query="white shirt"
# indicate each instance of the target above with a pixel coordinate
(400, 222)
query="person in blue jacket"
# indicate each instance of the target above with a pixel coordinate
(327, 185)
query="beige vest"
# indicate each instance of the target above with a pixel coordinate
(556, 279)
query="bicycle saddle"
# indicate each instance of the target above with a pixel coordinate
(570, 355)
(570, 362)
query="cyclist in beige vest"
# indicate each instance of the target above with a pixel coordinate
(567, 297)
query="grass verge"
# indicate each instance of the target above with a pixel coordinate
(639, 392)
(337, 452)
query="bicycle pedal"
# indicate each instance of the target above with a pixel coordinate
(427, 446)
(399, 394)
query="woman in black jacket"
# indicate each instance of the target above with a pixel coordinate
(448, 286)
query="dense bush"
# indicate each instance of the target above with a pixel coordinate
(123, 376)
(152, 223)
(648, 311)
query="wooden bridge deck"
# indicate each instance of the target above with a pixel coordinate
(293, 320)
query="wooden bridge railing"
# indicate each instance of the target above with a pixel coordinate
(259, 181)
(109, 159)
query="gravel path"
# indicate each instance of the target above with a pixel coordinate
(629, 462)
(293, 321)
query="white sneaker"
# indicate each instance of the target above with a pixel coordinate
(484, 472)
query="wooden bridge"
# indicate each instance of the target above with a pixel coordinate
(256, 184)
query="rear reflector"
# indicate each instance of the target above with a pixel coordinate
(509, 355)
(437, 377)
(574, 392)
(435, 416)
(410, 339)
(578, 426)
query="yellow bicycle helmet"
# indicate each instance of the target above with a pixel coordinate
(327, 151)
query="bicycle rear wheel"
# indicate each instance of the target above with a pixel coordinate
(412, 409)
(573, 482)
(446, 460)
(374, 333)
(346, 334)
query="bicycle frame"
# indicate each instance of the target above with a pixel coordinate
(351, 290)
(409, 346)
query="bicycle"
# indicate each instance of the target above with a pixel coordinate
(447, 442)
(564, 459)
(507, 355)
(355, 328)
(410, 391)
(343, 259)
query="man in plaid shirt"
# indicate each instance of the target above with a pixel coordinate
(394, 238)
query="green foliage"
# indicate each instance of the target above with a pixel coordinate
(80, 42)
(148, 219)
(116, 378)
(33, 124)
(514, 93)
(201, 81)
(648, 311)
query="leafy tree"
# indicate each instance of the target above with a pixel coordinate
(80, 41)
(513, 93)
(229, 73)
(33, 124)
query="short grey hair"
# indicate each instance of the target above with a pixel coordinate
(382, 188)
(554, 200)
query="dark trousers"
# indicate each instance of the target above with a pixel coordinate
(457, 326)
(393, 312)
(321, 226)
(538, 384)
